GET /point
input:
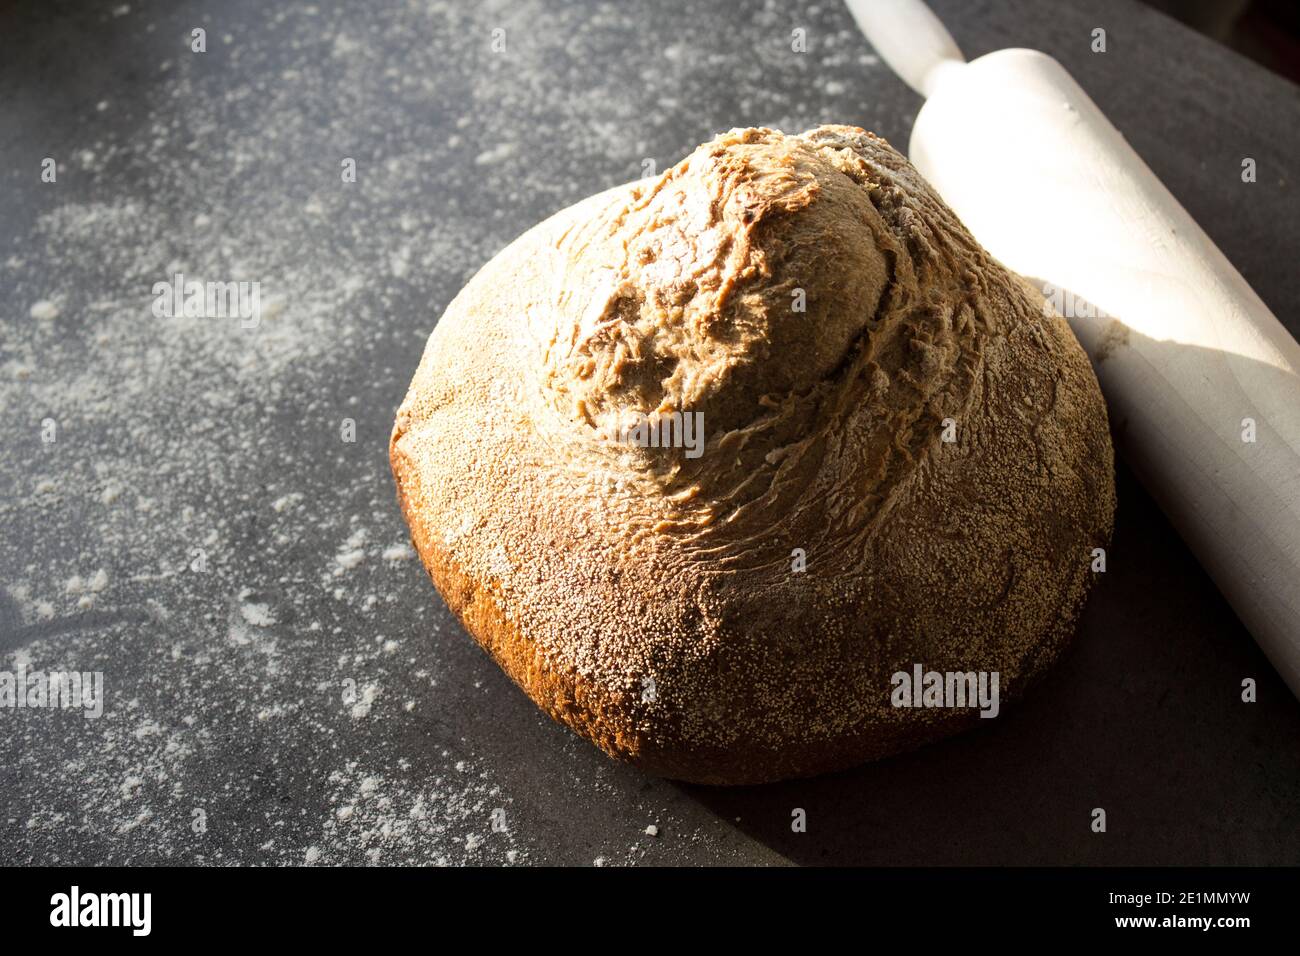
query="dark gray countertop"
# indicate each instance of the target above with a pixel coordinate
(230, 732)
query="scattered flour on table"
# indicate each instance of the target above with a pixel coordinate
(45, 310)
(181, 513)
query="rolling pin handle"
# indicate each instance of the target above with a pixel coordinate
(911, 40)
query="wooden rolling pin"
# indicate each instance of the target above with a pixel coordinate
(1202, 380)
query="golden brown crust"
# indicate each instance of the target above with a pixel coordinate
(558, 691)
(647, 599)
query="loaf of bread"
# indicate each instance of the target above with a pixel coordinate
(704, 461)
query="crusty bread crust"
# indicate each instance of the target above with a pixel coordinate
(585, 708)
(651, 606)
(557, 690)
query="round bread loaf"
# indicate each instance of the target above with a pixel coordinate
(703, 462)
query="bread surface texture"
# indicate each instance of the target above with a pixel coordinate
(902, 458)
